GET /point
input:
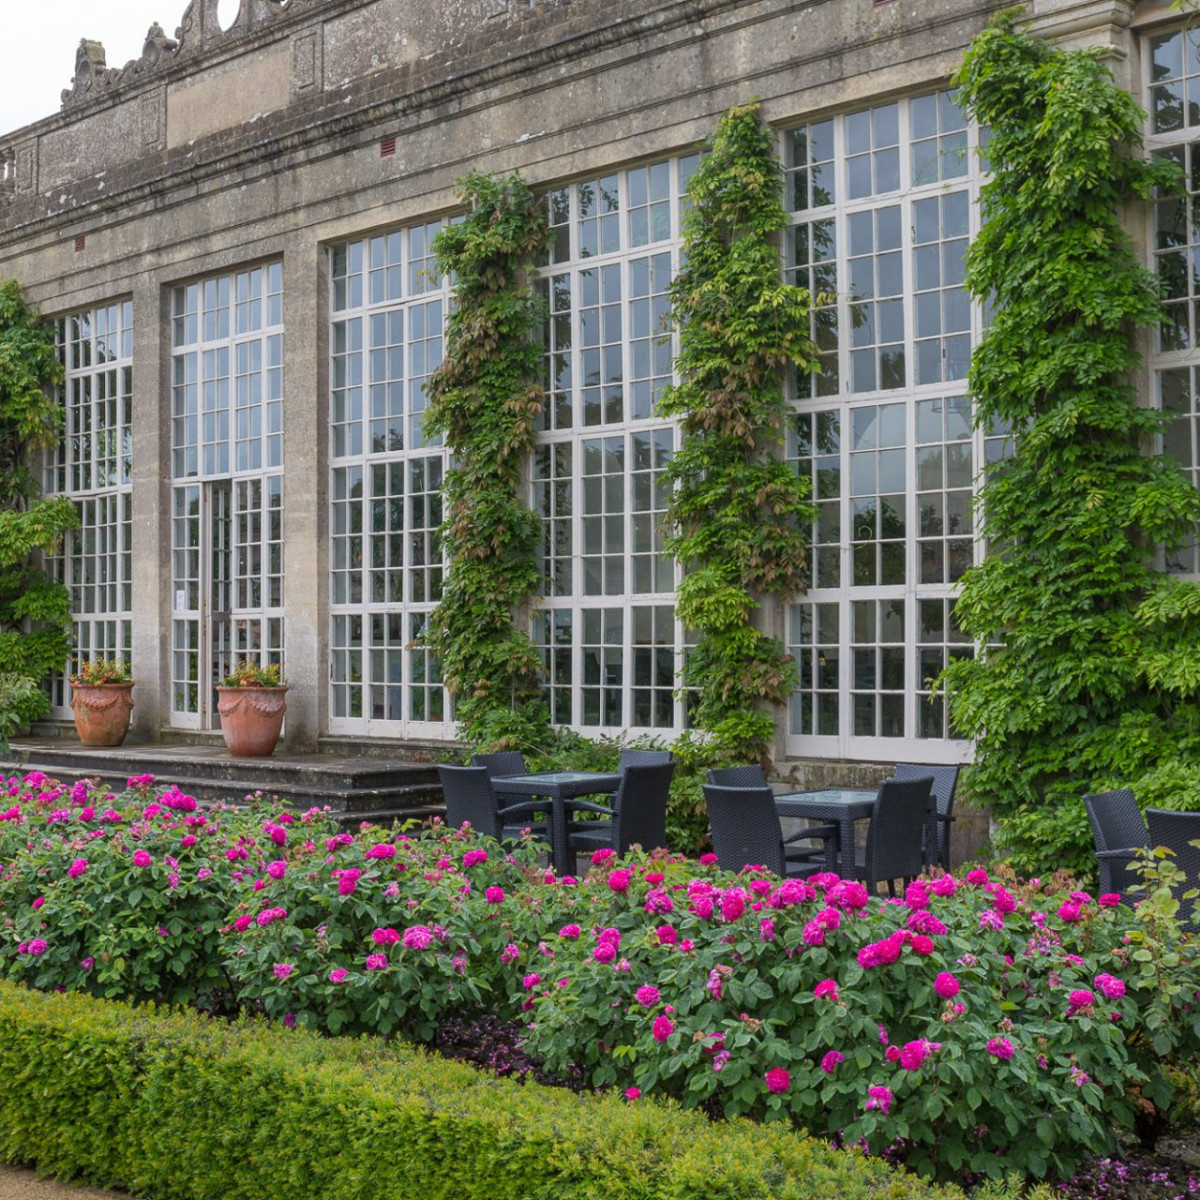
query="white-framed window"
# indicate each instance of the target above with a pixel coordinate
(605, 623)
(883, 204)
(1172, 81)
(93, 466)
(388, 309)
(227, 482)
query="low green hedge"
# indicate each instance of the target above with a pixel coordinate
(172, 1104)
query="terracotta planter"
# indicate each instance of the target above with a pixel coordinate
(102, 712)
(251, 718)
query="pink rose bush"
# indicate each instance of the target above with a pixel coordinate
(935, 1024)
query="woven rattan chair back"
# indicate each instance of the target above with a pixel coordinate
(745, 827)
(640, 807)
(1177, 831)
(945, 782)
(752, 776)
(470, 797)
(503, 762)
(896, 838)
(644, 758)
(1117, 824)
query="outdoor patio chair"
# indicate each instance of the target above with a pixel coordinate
(637, 814)
(1119, 831)
(752, 776)
(471, 797)
(1177, 831)
(945, 781)
(644, 758)
(896, 837)
(503, 762)
(746, 832)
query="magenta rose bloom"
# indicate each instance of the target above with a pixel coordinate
(337, 975)
(77, 868)
(141, 858)
(1001, 1048)
(494, 895)
(647, 995)
(827, 987)
(604, 953)
(662, 1028)
(946, 986)
(376, 962)
(778, 1080)
(418, 937)
(667, 935)
(912, 1055)
(37, 946)
(569, 932)
(1110, 986)
(880, 1098)
(1110, 900)
(618, 880)
(283, 970)
(831, 1061)
(1079, 999)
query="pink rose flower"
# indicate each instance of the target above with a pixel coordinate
(778, 1080)
(662, 1028)
(831, 1061)
(277, 869)
(667, 935)
(647, 995)
(946, 985)
(530, 981)
(77, 868)
(708, 860)
(569, 932)
(37, 946)
(417, 937)
(494, 895)
(337, 975)
(1001, 1047)
(880, 1098)
(1080, 999)
(141, 858)
(283, 970)
(1109, 900)
(827, 987)
(604, 953)
(1110, 986)
(376, 962)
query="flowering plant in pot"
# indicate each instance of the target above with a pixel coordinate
(101, 701)
(251, 701)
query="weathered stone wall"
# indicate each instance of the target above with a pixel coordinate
(218, 148)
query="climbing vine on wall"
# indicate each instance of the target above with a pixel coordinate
(484, 400)
(35, 614)
(738, 513)
(1089, 648)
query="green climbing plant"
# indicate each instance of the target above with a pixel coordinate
(484, 400)
(739, 514)
(35, 614)
(1088, 669)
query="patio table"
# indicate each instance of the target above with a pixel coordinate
(839, 806)
(558, 787)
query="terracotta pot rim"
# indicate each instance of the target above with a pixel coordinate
(254, 687)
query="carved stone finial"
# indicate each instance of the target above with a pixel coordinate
(90, 69)
(156, 46)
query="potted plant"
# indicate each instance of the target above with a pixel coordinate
(101, 701)
(252, 701)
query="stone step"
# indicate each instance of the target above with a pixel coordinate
(341, 782)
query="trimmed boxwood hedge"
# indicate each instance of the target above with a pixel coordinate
(174, 1104)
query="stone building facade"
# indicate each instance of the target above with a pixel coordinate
(232, 234)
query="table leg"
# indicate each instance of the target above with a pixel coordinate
(560, 851)
(846, 855)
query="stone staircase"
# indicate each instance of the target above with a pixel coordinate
(357, 787)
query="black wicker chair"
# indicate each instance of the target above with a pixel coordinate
(644, 758)
(945, 781)
(752, 776)
(636, 817)
(1177, 831)
(895, 846)
(746, 832)
(1119, 831)
(471, 797)
(503, 762)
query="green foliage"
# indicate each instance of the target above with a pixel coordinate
(484, 400)
(22, 701)
(248, 673)
(1088, 670)
(35, 619)
(113, 1093)
(739, 514)
(91, 672)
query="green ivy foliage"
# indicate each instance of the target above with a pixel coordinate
(484, 400)
(1088, 675)
(739, 514)
(35, 616)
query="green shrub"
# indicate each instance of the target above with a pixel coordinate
(22, 701)
(171, 1104)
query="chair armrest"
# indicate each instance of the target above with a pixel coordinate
(946, 817)
(813, 831)
(585, 806)
(1114, 855)
(526, 806)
